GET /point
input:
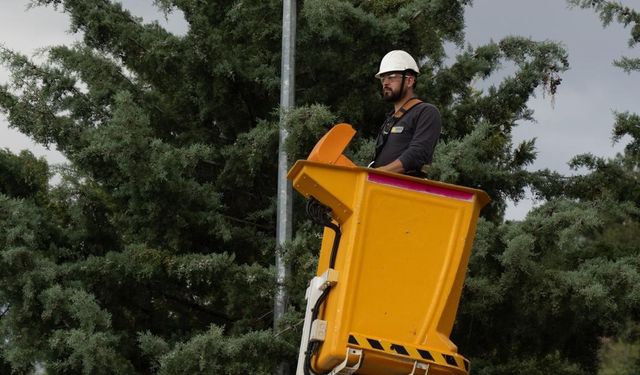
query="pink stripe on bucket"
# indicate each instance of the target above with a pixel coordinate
(415, 186)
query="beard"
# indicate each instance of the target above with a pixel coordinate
(390, 96)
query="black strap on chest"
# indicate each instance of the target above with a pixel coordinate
(390, 122)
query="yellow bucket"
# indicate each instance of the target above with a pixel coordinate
(401, 261)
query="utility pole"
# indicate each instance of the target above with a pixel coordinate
(287, 98)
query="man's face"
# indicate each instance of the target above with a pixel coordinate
(392, 86)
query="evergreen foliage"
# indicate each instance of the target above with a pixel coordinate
(154, 253)
(621, 356)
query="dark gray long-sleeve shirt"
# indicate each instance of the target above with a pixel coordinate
(412, 139)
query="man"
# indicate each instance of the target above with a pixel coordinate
(408, 137)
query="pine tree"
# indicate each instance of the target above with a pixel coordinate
(557, 292)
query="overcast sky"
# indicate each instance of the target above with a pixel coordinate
(581, 117)
(578, 121)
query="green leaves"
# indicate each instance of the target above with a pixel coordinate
(620, 356)
(214, 353)
(23, 175)
(537, 286)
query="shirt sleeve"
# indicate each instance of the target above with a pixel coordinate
(425, 137)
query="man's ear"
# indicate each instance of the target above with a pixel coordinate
(411, 80)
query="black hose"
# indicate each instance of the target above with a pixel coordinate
(320, 214)
(336, 243)
(312, 347)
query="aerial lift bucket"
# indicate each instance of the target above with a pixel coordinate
(391, 267)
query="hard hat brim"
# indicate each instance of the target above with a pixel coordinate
(391, 71)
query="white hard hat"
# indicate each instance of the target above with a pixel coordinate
(397, 61)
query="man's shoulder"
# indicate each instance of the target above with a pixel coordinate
(423, 108)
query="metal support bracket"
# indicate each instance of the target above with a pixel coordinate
(422, 366)
(317, 285)
(343, 369)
